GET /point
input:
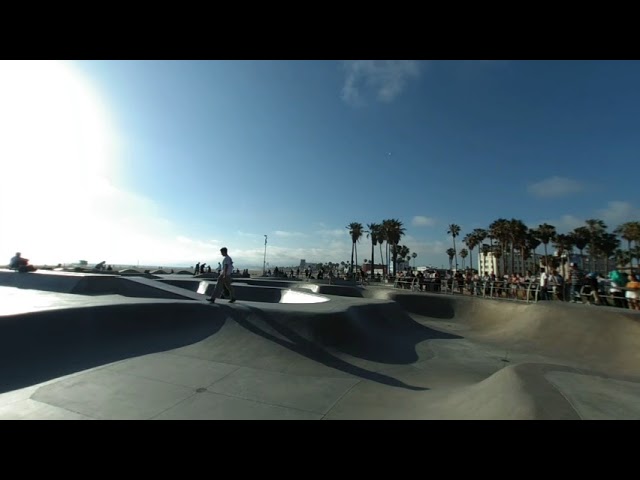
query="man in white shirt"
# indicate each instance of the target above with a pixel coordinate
(224, 280)
(544, 284)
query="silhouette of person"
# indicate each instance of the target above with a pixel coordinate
(20, 264)
(224, 280)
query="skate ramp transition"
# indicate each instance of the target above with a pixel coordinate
(373, 353)
(143, 286)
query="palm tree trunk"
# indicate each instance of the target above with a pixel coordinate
(353, 245)
(373, 262)
(356, 249)
(455, 253)
(388, 258)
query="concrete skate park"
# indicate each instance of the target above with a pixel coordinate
(97, 346)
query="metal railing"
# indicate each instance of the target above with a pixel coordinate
(529, 292)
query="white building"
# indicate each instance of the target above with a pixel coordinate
(489, 263)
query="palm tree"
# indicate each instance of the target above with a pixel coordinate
(384, 231)
(414, 255)
(374, 234)
(606, 244)
(471, 241)
(546, 233)
(563, 243)
(580, 238)
(486, 248)
(454, 231)
(463, 254)
(355, 230)
(479, 236)
(629, 231)
(451, 252)
(499, 230)
(532, 244)
(622, 257)
(395, 231)
(517, 235)
(403, 252)
(497, 253)
(596, 229)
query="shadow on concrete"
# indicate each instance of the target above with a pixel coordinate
(354, 341)
(42, 346)
(426, 305)
(380, 333)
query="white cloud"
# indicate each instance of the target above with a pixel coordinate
(420, 221)
(384, 78)
(281, 233)
(564, 224)
(334, 233)
(555, 187)
(245, 234)
(618, 213)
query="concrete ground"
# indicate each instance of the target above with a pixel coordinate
(80, 346)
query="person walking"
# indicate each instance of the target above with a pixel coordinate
(224, 280)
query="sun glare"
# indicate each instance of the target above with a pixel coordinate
(55, 147)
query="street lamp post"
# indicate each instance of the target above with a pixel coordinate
(264, 263)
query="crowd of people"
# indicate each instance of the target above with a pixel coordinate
(617, 289)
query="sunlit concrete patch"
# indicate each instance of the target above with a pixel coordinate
(212, 406)
(104, 394)
(291, 296)
(15, 300)
(311, 394)
(33, 410)
(597, 397)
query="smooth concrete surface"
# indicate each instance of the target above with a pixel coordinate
(74, 346)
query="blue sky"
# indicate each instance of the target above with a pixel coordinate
(164, 162)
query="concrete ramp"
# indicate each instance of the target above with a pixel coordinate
(387, 355)
(41, 346)
(589, 336)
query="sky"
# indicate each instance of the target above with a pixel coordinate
(165, 162)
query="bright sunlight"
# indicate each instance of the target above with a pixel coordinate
(55, 157)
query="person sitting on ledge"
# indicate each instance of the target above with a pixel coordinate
(21, 264)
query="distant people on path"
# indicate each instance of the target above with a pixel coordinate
(618, 279)
(21, 264)
(224, 280)
(632, 292)
(544, 284)
(555, 284)
(576, 278)
(591, 281)
(197, 269)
